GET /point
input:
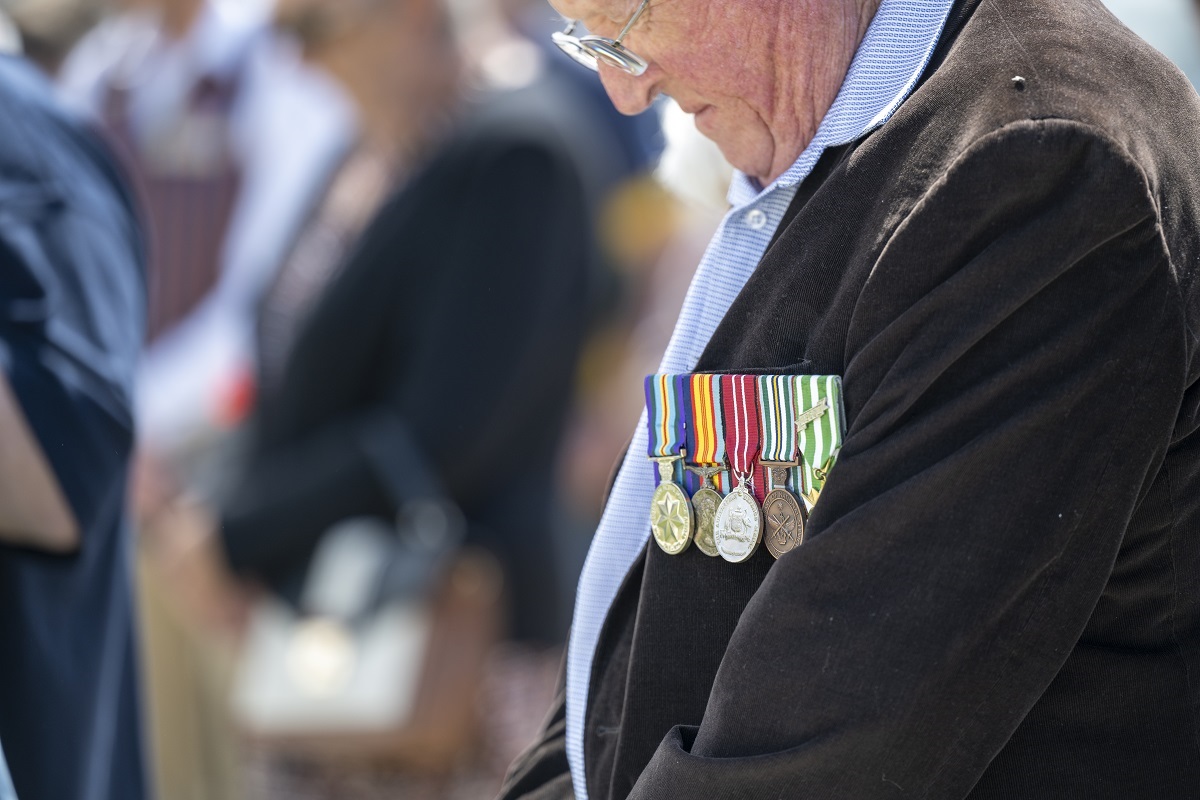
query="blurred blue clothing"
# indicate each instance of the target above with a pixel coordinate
(72, 297)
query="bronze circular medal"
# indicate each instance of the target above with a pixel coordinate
(671, 518)
(705, 502)
(737, 529)
(783, 522)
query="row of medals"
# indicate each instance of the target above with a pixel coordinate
(732, 526)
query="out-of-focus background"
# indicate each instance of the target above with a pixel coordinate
(1172, 26)
(407, 268)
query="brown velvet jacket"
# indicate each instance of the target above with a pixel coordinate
(999, 595)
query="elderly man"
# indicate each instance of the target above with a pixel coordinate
(983, 216)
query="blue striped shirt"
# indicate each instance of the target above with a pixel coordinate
(890, 60)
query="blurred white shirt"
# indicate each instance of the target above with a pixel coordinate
(289, 125)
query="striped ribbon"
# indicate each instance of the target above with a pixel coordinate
(705, 427)
(820, 440)
(739, 401)
(665, 416)
(776, 407)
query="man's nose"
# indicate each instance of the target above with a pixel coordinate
(631, 94)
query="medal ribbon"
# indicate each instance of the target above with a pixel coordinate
(664, 416)
(777, 410)
(820, 440)
(743, 428)
(777, 406)
(705, 427)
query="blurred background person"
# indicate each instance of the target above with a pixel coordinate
(418, 342)
(451, 324)
(230, 138)
(403, 88)
(72, 300)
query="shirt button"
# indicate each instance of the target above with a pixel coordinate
(756, 219)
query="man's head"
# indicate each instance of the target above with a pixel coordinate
(758, 74)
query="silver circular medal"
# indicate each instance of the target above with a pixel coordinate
(738, 527)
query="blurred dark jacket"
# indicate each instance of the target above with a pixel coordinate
(438, 361)
(72, 298)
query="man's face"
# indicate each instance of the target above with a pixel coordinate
(714, 57)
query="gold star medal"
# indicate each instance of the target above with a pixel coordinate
(671, 517)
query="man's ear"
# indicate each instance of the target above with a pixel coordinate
(34, 511)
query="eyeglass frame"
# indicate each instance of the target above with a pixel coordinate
(590, 50)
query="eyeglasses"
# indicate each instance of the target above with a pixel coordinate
(590, 50)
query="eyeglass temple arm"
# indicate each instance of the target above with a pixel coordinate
(631, 22)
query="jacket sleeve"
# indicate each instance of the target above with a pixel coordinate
(1015, 366)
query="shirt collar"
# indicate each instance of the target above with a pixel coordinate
(889, 62)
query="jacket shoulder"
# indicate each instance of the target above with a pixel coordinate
(1070, 65)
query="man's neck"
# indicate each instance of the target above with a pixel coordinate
(806, 93)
